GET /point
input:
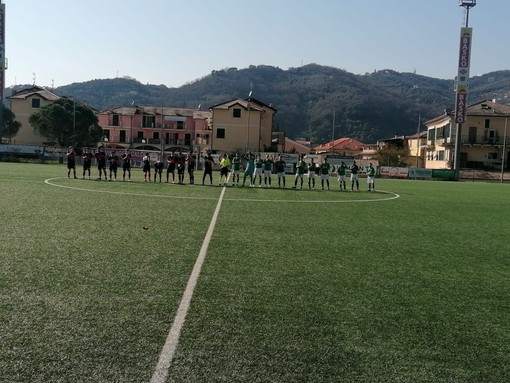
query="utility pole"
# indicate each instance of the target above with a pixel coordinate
(2, 66)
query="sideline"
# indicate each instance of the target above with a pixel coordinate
(165, 359)
(388, 195)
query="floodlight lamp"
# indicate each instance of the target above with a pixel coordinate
(467, 3)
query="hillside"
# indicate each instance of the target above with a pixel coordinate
(367, 107)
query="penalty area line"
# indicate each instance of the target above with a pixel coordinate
(160, 374)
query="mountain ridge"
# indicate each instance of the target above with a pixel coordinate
(308, 98)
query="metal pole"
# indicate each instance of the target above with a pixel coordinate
(161, 138)
(74, 123)
(248, 129)
(503, 154)
(418, 138)
(333, 132)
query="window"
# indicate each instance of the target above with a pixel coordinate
(115, 120)
(155, 135)
(432, 135)
(447, 130)
(36, 103)
(180, 124)
(106, 134)
(220, 133)
(236, 113)
(492, 156)
(440, 155)
(148, 122)
(472, 135)
(139, 134)
(187, 139)
(487, 123)
(122, 136)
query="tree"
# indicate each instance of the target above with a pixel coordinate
(9, 127)
(392, 155)
(67, 122)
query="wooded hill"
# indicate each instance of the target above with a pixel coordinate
(367, 107)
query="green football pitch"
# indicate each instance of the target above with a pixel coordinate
(143, 282)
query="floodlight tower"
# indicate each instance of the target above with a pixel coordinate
(467, 4)
(462, 81)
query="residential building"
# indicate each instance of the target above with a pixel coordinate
(347, 147)
(482, 142)
(417, 144)
(156, 128)
(23, 104)
(295, 146)
(242, 124)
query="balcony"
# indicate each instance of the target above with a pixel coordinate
(481, 140)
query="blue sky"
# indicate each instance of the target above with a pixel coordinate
(173, 42)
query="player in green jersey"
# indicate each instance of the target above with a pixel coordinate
(325, 167)
(371, 177)
(354, 176)
(301, 169)
(341, 176)
(250, 167)
(311, 175)
(236, 169)
(259, 168)
(268, 168)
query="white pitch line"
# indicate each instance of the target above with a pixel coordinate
(165, 359)
(392, 196)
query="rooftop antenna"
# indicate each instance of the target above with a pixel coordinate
(33, 78)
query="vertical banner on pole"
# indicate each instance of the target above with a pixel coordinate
(463, 75)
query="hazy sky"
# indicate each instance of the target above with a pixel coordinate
(172, 42)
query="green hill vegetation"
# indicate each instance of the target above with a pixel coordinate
(367, 107)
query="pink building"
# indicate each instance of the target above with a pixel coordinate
(156, 128)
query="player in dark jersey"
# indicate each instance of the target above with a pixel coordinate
(87, 162)
(126, 165)
(170, 167)
(71, 163)
(113, 161)
(101, 164)
(146, 161)
(208, 167)
(279, 167)
(158, 170)
(190, 160)
(181, 168)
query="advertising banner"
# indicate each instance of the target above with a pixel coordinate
(463, 75)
